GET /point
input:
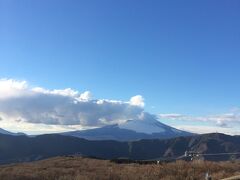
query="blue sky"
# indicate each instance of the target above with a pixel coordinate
(183, 57)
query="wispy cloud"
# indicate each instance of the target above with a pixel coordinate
(222, 120)
(203, 129)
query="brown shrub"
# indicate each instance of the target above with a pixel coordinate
(65, 168)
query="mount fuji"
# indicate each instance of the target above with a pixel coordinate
(147, 127)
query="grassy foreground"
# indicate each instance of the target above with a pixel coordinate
(77, 168)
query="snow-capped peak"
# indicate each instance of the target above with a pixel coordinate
(3, 131)
(147, 124)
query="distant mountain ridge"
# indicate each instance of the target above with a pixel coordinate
(3, 131)
(131, 130)
(23, 148)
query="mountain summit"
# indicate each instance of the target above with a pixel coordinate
(146, 127)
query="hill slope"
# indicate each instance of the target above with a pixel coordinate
(84, 168)
(23, 148)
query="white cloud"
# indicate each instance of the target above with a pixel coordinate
(223, 120)
(12, 88)
(207, 129)
(171, 116)
(86, 96)
(24, 104)
(63, 92)
(137, 101)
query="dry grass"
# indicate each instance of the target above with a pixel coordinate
(68, 168)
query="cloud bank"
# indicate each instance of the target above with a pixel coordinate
(21, 103)
(37, 110)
